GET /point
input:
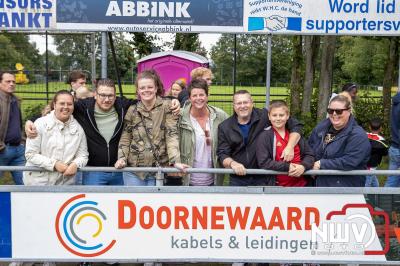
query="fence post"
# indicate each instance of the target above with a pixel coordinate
(159, 178)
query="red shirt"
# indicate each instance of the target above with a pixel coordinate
(285, 180)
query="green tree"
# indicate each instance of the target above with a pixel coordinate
(187, 42)
(362, 59)
(9, 56)
(251, 59)
(143, 43)
(125, 57)
(16, 48)
(75, 51)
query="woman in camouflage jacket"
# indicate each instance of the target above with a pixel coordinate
(150, 135)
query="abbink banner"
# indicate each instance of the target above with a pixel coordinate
(338, 17)
(193, 226)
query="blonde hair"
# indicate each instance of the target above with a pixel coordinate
(199, 72)
(349, 104)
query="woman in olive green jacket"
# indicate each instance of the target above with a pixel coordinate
(198, 134)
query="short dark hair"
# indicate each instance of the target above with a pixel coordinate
(105, 82)
(151, 74)
(198, 84)
(277, 104)
(58, 93)
(5, 72)
(375, 123)
(75, 75)
(349, 87)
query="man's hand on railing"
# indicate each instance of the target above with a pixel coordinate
(296, 170)
(120, 164)
(238, 168)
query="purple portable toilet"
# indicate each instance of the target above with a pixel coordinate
(172, 65)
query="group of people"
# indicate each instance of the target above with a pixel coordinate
(102, 129)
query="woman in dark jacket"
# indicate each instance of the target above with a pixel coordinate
(339, 143)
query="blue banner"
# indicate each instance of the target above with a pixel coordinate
(5, 225)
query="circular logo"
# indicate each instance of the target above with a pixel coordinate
(70, 217)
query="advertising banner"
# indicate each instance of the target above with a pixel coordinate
(151, 16)
(29, 15)
(353, 17)
(339, 17)
(191, 226)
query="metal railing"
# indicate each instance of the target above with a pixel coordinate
(162, 171)
(213, 189)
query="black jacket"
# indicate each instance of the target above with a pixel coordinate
(231, 143)
(266, 157)
(101, 153)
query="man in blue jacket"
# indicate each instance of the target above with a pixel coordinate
(394, 150)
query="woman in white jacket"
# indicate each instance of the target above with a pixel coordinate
(60, 147)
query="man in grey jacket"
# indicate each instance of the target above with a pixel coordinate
(11, 148)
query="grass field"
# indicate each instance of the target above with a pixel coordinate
(220, 96)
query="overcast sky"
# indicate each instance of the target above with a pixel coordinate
(207, 40)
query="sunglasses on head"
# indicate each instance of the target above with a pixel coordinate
(337, 111)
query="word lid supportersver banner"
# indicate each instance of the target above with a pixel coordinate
(178, 226)
(353, 17)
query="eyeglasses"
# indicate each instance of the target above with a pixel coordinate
(105, 96)
(337, 111)
(242, 103)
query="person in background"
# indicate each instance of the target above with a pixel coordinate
(60, 147)
(198, 134)
(197, 73)
(237, 140)
(177, 87)
(150, 134)
(379, 148)
(76, 79)
(11, 146)
(339, 143)
(271, 143)
(394, 150)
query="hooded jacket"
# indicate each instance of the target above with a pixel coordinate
(350, 150)
(101, 153)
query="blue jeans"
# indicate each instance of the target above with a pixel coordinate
(394, 164)
(13, 156)
(102, 179)
(371, 181)
(130, 179)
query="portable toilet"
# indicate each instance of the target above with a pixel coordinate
(172, 65)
